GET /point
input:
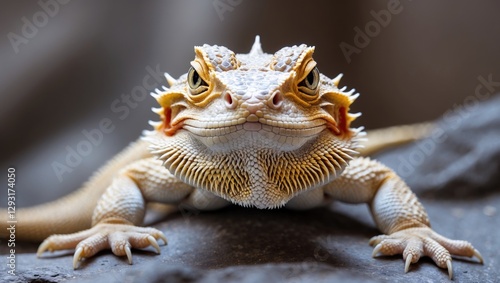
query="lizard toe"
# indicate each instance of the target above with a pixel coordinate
(63, 241)
(388, 247)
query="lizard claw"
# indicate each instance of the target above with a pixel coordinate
(152, 241)
(129, 254)
(408, 262)
(416, 242)
(376, 250)
(77, 258)
(45, 246)
(162, 237)
(478, 256)
(450, 269)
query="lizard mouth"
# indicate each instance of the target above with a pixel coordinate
(291, 133)
(304, 129)
(258, 135)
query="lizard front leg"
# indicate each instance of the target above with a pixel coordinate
(120, 209)
(397, 213)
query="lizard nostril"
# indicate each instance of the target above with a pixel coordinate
(228, 99)
(277, 99)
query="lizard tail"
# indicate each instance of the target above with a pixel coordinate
(380, 139)
(73, 212)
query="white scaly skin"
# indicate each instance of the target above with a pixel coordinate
(260, 130)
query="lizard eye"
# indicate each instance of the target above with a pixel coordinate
(196, 83)
(310, 83)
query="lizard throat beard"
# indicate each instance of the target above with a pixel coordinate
(253, 175)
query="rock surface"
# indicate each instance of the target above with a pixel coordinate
(460, 159)
(458, 181)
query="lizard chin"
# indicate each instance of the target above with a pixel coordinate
(252, 126)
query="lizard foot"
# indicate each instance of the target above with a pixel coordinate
(416, 242)
(120, 238)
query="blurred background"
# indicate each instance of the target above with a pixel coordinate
(67, 67)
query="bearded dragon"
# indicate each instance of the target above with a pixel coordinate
(257, 130)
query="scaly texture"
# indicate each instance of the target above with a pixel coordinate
(259, 130)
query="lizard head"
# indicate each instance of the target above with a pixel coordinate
(254, 128)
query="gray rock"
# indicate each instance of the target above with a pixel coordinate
(461, 158)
